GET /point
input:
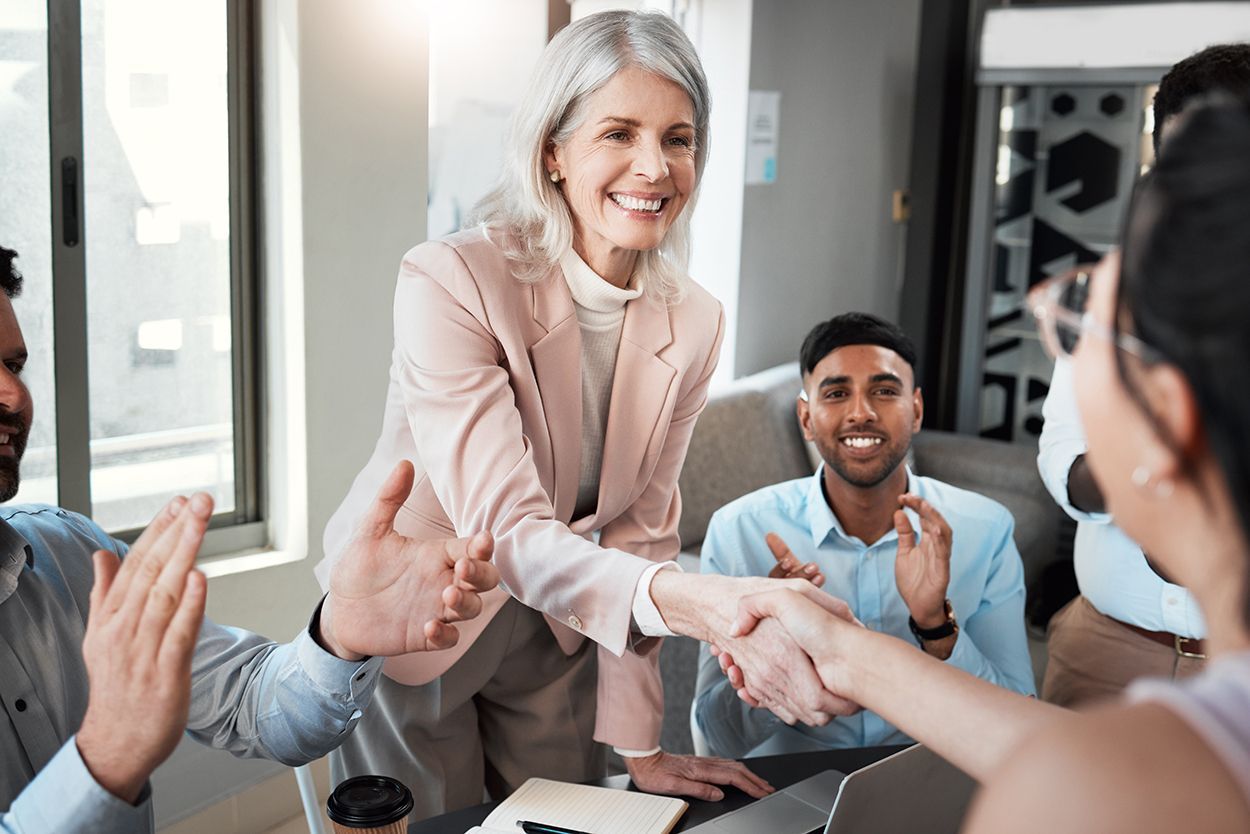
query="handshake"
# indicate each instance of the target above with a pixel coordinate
(787, 646)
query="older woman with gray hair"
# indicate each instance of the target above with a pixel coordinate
(549, 365)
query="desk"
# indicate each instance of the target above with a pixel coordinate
(781, 771)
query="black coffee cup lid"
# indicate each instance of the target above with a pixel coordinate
(369, 801)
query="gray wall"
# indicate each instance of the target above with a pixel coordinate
(820, 240)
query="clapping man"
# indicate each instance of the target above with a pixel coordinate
(105, 661)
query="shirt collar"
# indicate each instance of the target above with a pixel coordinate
(822, 521)
(14, 552)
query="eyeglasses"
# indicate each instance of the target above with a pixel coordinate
(1058, 303)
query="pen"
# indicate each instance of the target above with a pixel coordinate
(542, 828)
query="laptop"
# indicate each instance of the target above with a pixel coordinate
(912, 790)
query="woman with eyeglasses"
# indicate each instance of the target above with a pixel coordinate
(1161, 361)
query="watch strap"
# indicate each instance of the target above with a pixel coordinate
(940, 632)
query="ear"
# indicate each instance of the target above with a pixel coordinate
(917, 402)
(1175, 409)
(551, 157)
(804, 411)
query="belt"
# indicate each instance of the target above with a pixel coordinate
(1183, 646)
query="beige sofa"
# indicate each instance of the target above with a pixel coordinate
(748, 438)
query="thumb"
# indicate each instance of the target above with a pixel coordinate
(753, 608)
(906, 533)
(379, 519)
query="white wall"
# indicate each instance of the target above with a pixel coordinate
(820, 241)
(344, 184)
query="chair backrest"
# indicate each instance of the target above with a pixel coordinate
(747, 438)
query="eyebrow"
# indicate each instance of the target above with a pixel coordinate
(622, 120)
(843, 380)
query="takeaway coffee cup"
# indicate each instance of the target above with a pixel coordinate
(370, 805)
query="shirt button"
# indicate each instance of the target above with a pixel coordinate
(1172, 601)
(20, 704)
(575, 622)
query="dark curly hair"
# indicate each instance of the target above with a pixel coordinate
(10, 278)
(1221, 68)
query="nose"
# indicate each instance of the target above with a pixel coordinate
(650, 162)
(861, 410)
(14, 395)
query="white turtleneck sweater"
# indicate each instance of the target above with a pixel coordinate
(600, 310)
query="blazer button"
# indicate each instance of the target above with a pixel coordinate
(575, 622)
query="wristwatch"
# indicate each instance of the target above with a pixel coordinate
(946, 629)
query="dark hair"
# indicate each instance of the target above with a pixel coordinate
(1221, 68)
(1186, 278)
(10, 278)
(854, 329)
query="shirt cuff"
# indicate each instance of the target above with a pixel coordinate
(647, 618)
(65, 798)
(351, 681)
(626, 753)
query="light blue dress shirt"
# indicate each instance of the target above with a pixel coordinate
(986, 591)
(291, 703)
(1110, 569)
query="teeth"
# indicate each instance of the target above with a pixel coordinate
(4, 438)
(635, 204)
(861, 442)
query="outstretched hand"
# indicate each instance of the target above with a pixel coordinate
(142, 628)
(391, 595)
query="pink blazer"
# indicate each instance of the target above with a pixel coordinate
(485, 400)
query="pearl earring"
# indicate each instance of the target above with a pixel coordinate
(1143, 478)
(555, 176)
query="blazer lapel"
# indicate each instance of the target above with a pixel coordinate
(640, 405)
(557, 362)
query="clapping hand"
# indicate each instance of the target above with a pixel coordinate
(788, 566)
(141, 632)
(391, 595)
(922, 569)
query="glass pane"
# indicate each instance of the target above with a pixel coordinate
(25, 204)
(1067, 157)
(155, 132)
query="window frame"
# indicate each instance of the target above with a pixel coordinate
(243, 527)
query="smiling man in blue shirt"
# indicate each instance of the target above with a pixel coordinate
(912, 556)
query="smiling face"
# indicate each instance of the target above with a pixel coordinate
(16, 408)
(628, 170)
(861, 411)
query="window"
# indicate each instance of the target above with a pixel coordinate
(131, 209)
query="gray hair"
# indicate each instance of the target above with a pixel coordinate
(582, 58)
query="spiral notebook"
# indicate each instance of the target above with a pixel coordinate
(583, 808)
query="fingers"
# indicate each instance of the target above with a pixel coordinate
(174, 553)
(475, 574)
(135, 557)
(712, 771)
(440, 635)
(906, 533)
(379, 519)
(106, 565)
(460, 605)
(178, 639)
(482, 546)
(931, 521)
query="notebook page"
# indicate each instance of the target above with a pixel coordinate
(586, 808)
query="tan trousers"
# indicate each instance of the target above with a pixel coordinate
(513, 707)
(1091, 657)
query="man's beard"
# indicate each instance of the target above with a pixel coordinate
(10, 467)
(855, 473)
